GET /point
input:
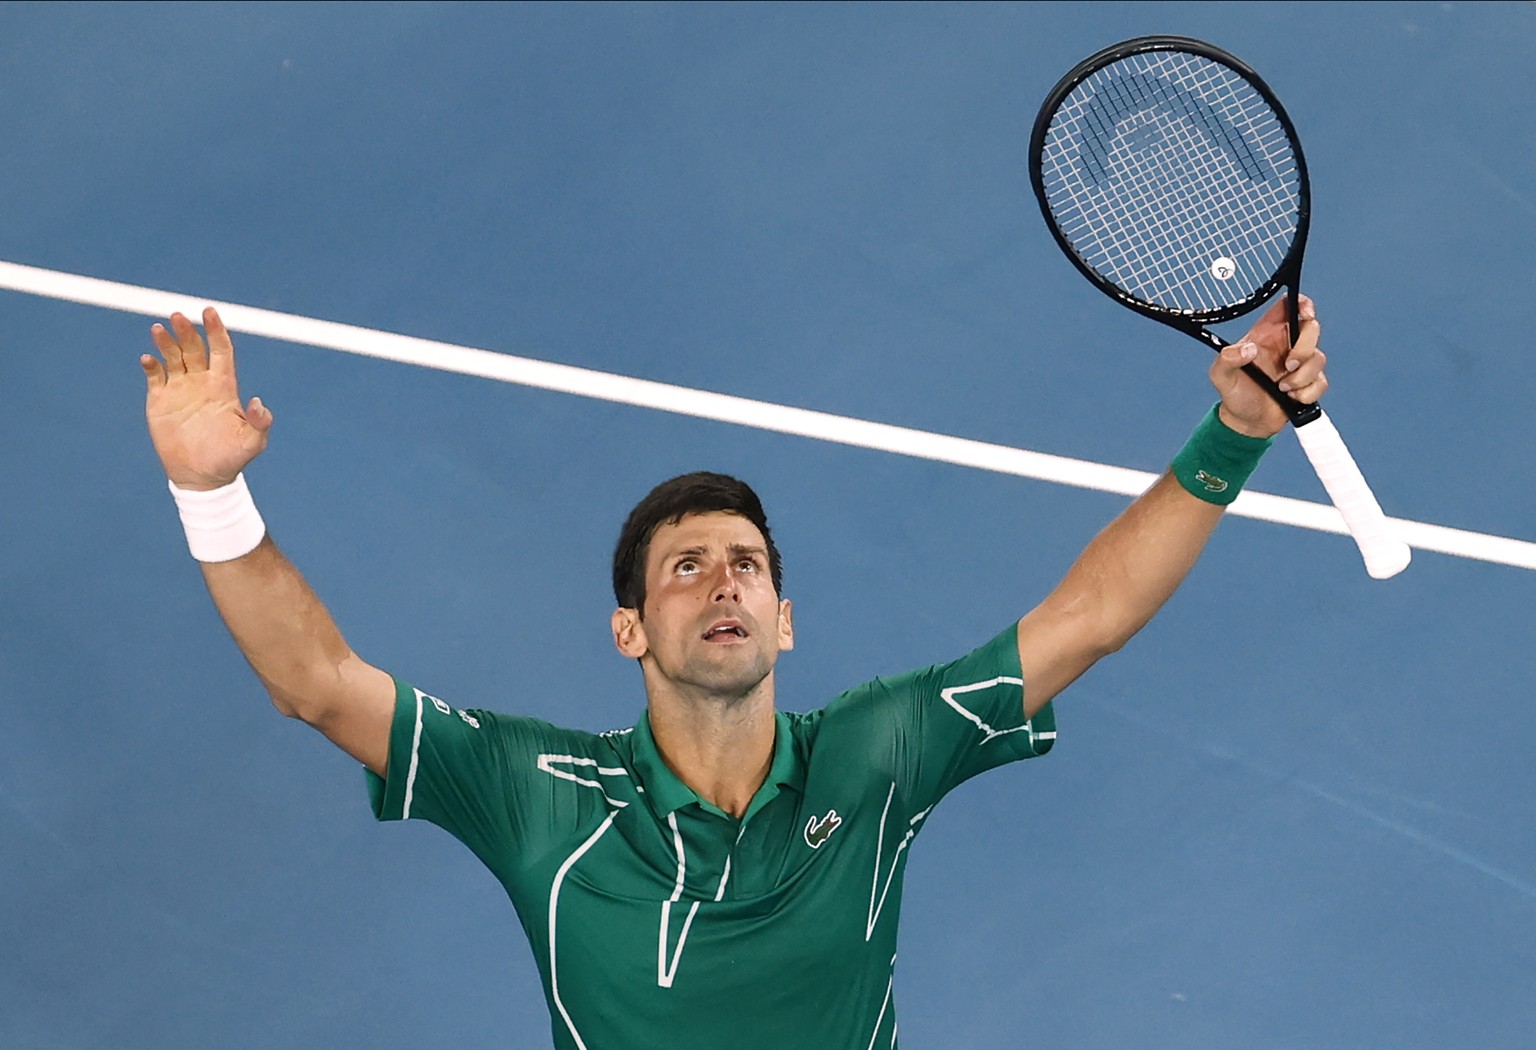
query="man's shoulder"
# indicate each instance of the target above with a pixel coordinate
(530, 733)
(860, 701)
(878, 702)
(851, 712)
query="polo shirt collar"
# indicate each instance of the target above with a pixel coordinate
(665, 793)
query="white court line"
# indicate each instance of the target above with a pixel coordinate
(764, 415)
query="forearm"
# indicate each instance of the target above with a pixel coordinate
(1136, 563)
(282, 627)
(1116, 585)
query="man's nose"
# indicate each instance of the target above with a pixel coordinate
(727, 585)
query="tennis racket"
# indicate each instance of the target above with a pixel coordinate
(1170, 175)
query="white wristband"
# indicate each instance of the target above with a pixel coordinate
(222, 524)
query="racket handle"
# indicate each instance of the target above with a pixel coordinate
(1384, 552)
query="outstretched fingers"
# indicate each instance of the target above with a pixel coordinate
(221, 348)
(154, 371)
(194, 354)
(169, 348)
(184, 351)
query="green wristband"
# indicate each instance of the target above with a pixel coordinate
(1216, 460)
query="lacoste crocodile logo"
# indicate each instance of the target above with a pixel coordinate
(819, 829)
(1211, 482)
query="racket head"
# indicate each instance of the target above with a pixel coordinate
(1171, 176)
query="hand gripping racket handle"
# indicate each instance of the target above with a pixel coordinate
(1385, 554)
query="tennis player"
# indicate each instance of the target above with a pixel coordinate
(723, 873)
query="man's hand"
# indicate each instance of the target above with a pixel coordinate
(1297, 369)
(200, 432)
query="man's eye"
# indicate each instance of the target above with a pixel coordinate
(747, 565)
(687, 568)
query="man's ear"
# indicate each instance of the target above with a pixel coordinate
(786, 626)
(629, 633)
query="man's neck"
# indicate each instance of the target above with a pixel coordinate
(721, 750)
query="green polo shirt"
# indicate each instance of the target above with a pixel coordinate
(657, 919)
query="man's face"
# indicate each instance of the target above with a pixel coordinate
(713, 625)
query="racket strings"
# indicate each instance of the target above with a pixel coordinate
(1172, 178)
(1169, 203)
(1163, 189)
(1184, 198)
(1181, 199)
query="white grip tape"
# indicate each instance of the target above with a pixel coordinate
(221, 524)
(1384, 552)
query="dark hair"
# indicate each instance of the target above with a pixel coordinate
(699, 493)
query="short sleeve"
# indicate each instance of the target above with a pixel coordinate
(469, 772)
(939, 726)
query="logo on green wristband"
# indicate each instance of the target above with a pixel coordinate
(1211, 482)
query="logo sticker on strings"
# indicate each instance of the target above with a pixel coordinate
(1223, 268)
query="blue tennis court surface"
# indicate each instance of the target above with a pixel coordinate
(1294, 812)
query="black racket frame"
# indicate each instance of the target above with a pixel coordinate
(1192, 322)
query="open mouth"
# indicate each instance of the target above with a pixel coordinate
(722, 631)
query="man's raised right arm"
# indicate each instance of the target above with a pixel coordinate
(204, 439)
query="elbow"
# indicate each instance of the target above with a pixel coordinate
(319, 698)
(1108, 646)
(292, 703)
(1093, 647)
(1086, 632)
(1105, 626)
(1110, 639)
(1097, 628)
(287, 706)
